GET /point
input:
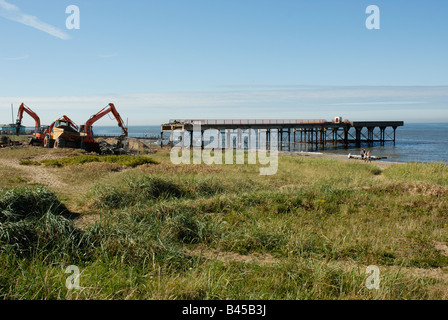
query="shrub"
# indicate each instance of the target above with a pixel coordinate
(135, 190)
(22, 202)
(32, 223)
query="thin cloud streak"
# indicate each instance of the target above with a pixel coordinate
(108, 56)
(13, 13)
(24, 57)
(377, 103)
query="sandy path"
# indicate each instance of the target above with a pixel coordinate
(36, 174)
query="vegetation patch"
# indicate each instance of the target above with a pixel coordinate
(139, 190)
(32, 223)
(29, 163)
(435, 172)
(123, 160)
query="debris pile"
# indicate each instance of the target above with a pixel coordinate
(107, 148)
(5, 141)
(119, 145)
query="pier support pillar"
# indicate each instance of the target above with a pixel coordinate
(346, 136)
(280, 137)
(239, 140)
(358, 136)
(370, 134)
(268, 139)
(289, 138)
(202, 139)
(395, 129)
(382, 134)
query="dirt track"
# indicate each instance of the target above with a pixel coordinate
(35, 174)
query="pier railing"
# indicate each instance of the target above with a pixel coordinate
(247, 122)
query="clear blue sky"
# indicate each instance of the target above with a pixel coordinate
(164, 59)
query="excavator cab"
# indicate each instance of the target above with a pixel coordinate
(64, 124)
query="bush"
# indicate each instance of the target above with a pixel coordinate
(32, 223)
(136, 190)
(22, 202)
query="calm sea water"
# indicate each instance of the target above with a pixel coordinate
(422, 142)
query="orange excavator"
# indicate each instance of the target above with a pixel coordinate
(39, 132)
(88, 142)
(63, 132)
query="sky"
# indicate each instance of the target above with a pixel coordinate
(158, 60)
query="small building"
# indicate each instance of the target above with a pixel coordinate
(11, 129)
(337, 120)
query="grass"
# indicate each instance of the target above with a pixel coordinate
(122, 160)
(12, 177)
(32, 224)
(26, 152)
(308, 232)
(434, 173)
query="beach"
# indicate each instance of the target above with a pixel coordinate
(383, 164)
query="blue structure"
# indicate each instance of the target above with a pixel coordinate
(11, 129)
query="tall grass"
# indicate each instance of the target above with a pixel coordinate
(133, 190)
(32, 222)
(418, 172)
(123, 160)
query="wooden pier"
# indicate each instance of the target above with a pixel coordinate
(319, 133)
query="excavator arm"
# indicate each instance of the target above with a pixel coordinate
(23, 108)
(110, 108)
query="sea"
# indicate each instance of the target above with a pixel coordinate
(415, 142)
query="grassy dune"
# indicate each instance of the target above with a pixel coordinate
(160, 231)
